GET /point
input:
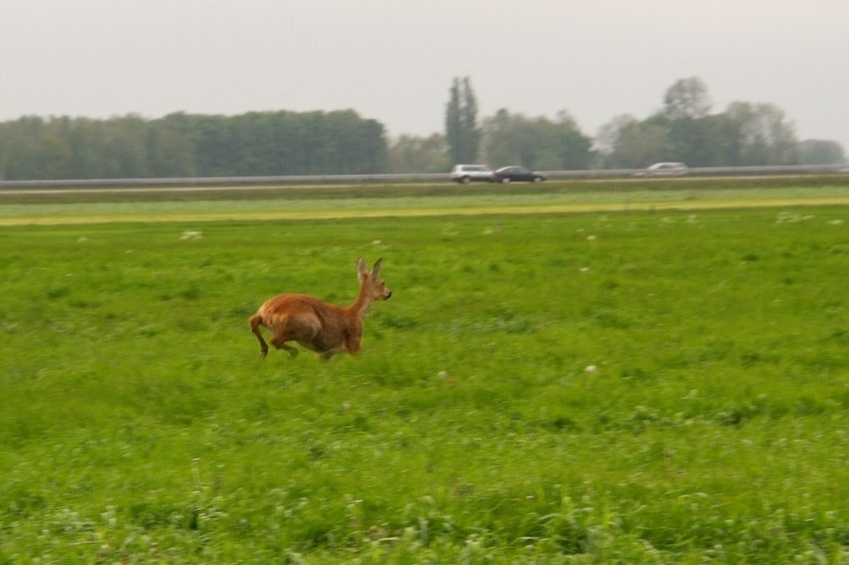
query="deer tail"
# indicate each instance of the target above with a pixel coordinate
(256, 321)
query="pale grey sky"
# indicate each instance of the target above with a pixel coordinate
(394, 60)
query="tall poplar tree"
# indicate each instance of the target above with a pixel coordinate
(461, 122)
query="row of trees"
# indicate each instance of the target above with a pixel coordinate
(184, 145)
(290, 143)
(505, 138)
(683, 130)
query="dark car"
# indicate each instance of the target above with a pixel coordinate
(516, 173)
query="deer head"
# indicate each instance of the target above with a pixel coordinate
(372, 286)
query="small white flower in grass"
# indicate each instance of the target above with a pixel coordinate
(835, 222)
(376, 242)
(591, 369)
(585, 269)
(447, 378)
(191, 235)
(590, 238)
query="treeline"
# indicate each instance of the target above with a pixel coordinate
(341, 142)
(684, 129)
(745, 134)
(185, 145)
(503, 139)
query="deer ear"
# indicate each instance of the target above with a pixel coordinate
(361, 267)
(375, 271)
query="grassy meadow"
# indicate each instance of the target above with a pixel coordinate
(631, 385)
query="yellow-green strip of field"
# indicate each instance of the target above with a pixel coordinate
(236, 208)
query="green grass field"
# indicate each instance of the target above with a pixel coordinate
(643, 382)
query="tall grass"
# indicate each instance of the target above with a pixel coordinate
(629, 387)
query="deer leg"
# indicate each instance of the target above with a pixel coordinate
(279, 341)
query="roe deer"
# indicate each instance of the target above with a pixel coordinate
(324, 328)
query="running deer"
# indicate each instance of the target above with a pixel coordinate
(324, 328)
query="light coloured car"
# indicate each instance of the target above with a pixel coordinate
(663, 170)
(472, 173)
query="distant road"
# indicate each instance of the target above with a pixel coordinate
(277, 182)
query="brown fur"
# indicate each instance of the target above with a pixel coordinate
(324, 328)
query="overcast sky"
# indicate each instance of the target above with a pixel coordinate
(394, 60)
